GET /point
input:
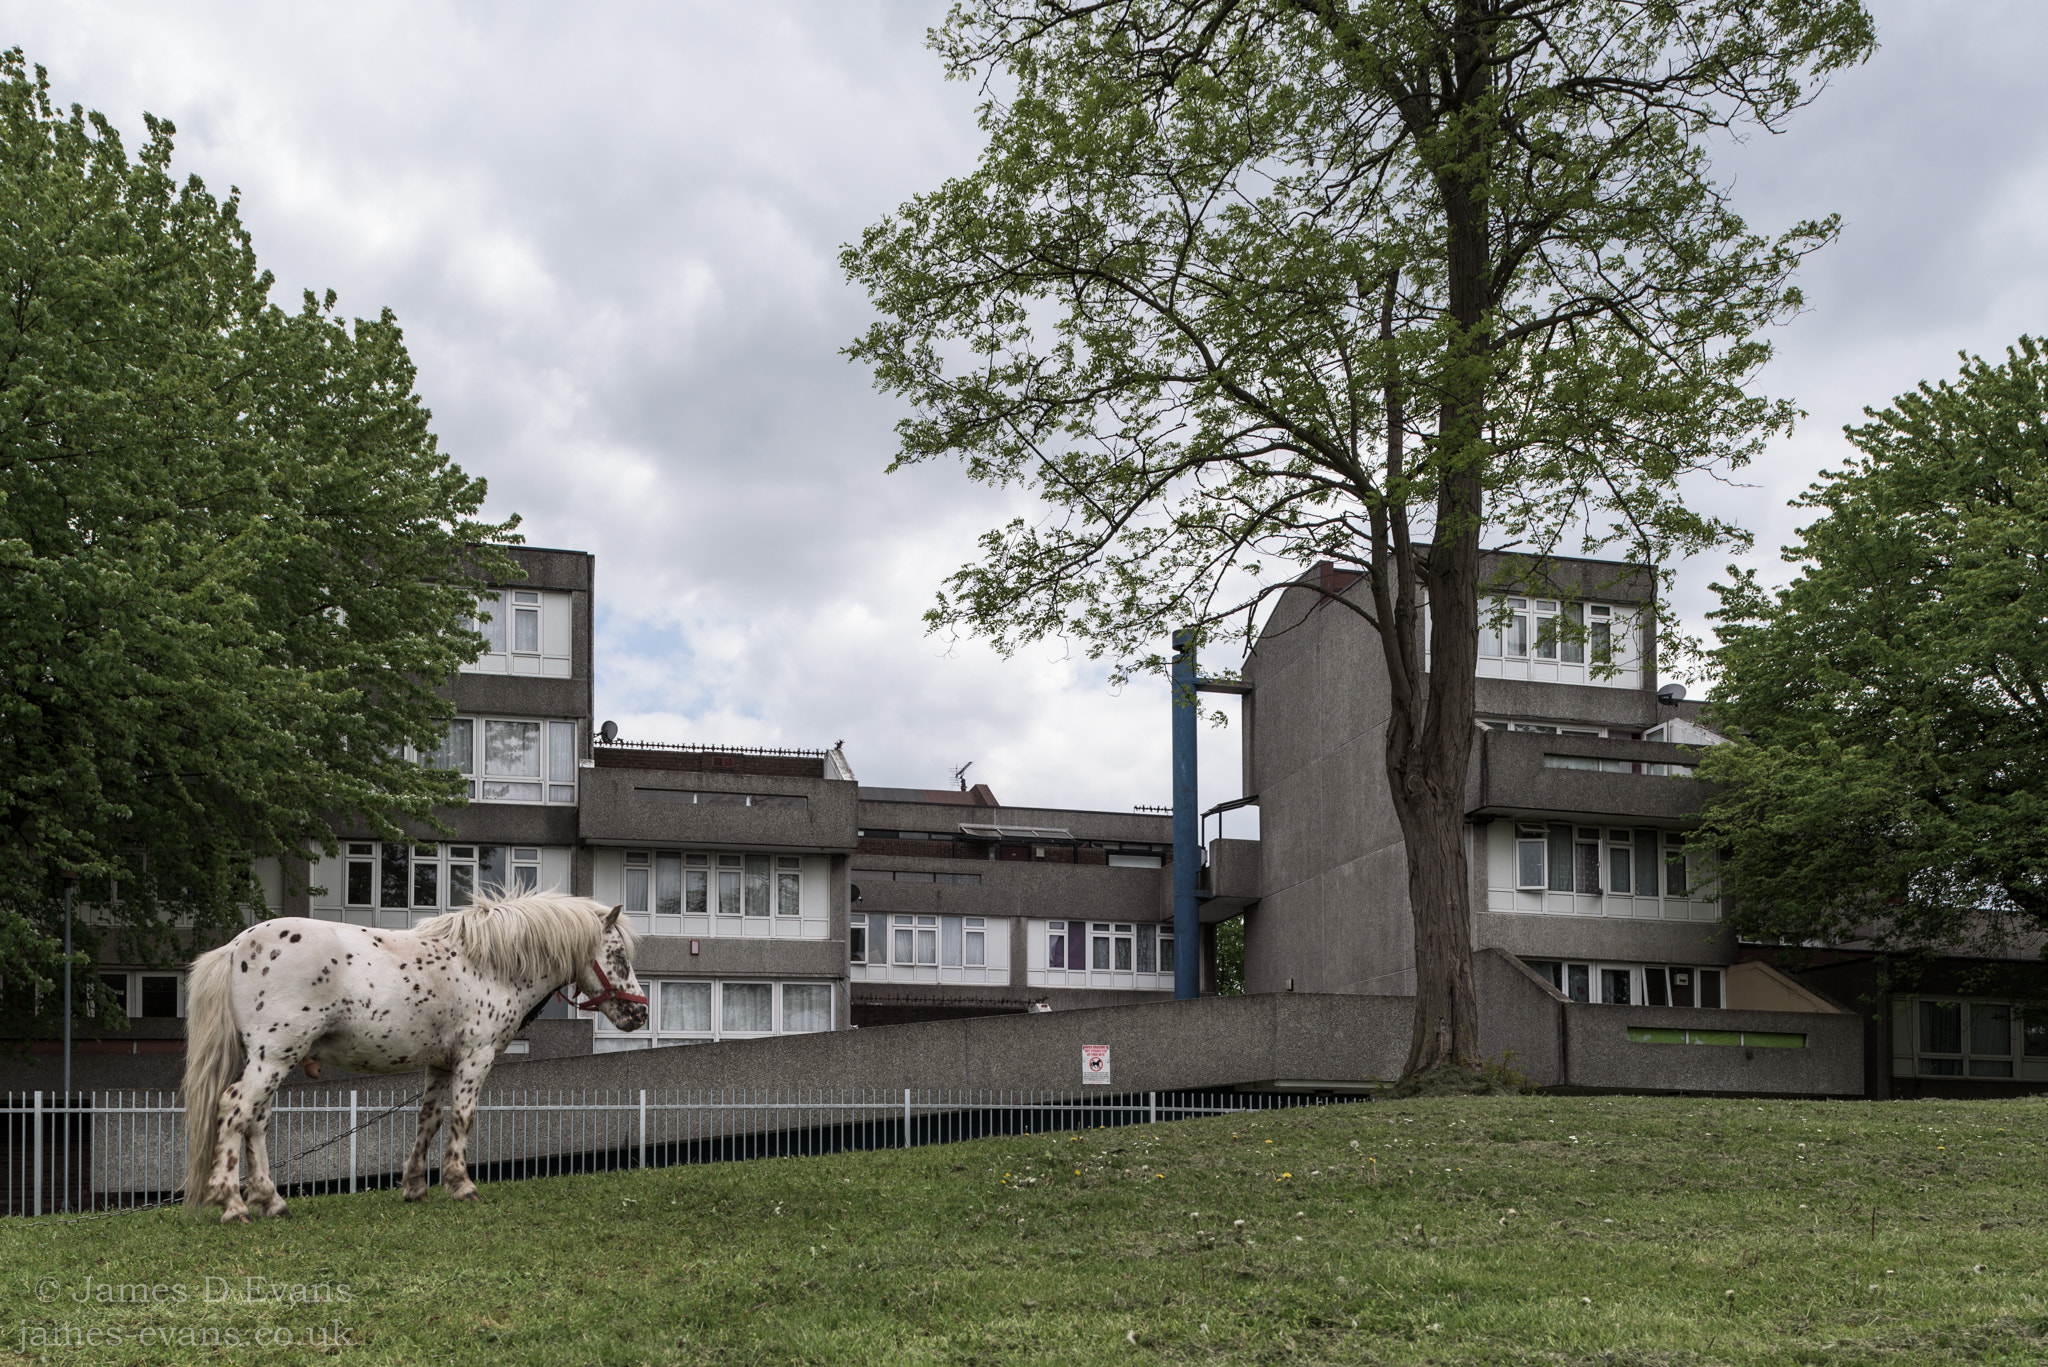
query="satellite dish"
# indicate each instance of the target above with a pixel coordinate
(610, 730)
(856, 891)
(1671, 695)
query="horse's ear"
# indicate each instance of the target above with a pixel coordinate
(613, 919)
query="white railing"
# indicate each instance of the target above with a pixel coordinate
(125, 1150)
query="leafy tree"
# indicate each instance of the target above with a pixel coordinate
(1240, 281)
(1890, 776)
(233, 566)
(1230, 957)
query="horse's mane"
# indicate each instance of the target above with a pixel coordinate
(536, 936)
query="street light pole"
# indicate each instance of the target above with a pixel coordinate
(67, 989)
(65, 1202)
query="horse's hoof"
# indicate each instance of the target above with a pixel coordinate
(468, 1194)
(277, 1212)
(232, 1217)
(419, 1195)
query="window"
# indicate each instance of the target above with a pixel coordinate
(806, 1008)
(526, 631)
(145, 996)
(749, 1009)
(1556, 640)
(1505, 634)
(1106, 954)
(519, 761)
(976, 937)
(1620, 860)
(636, 883)
(789, 885)
(1968, 1039)
(159, 994)
(1112, 947)
(1556, 857)
(685, 1008)
(1586, 861)
(857, 937)
(1529, 851)
(1646, 864)
(729, 869)
(1674, 865)
(433, 878)
(1619, 985)
(757, 885)
(360, 876)
(699, 1011)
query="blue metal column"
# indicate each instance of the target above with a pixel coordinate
(1187, 826)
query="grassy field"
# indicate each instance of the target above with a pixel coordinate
(1510, 1230)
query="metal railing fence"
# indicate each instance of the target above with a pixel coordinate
(110, 1151)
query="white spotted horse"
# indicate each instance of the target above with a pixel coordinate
(446, 997)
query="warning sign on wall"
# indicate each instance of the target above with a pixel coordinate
(1095, 1064)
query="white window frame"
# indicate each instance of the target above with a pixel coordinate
(555, 783)
(1519, 638)
(1120, 942)
(131, 990)
(448, 860)
(924, 947)
(608, 1038)
(527, 631)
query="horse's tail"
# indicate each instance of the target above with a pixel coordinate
(213, 1059)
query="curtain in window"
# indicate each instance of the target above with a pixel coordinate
(806, 1007)
(749, 1007)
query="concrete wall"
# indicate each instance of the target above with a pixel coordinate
(1508, 772)
(1210, 1042)
(1332, 882)
(615, 810)
(1576, 1047)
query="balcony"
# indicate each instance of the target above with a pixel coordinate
(1580, 776)
(628, 802)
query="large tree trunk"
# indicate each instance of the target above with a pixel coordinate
(1426, 768)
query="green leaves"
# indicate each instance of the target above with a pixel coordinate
(1234, 279)
(233, 566)
(1891, 783)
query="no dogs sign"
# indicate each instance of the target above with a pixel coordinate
(1095, 1064)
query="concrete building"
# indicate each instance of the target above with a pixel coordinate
(965, 907)
(778, 897)
(1575, 800)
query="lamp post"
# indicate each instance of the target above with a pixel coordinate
(1187, 842)
(64, 1202)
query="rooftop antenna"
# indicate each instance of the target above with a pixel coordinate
(960, 775)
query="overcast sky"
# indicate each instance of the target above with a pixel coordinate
(610, 232)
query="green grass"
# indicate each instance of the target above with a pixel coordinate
(1501, 1230)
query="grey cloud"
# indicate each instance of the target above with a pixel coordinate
(611, 233)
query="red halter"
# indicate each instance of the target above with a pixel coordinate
(610, 993)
